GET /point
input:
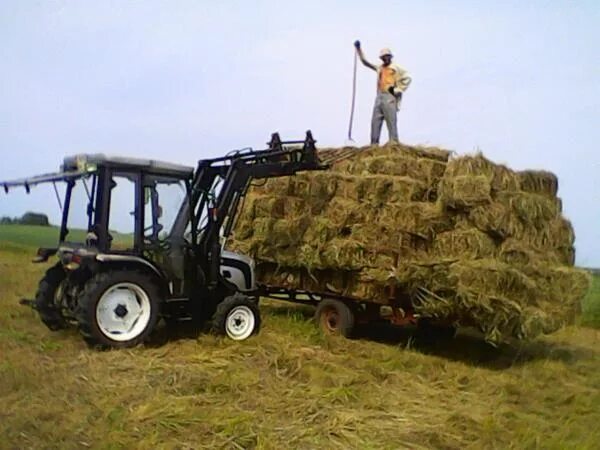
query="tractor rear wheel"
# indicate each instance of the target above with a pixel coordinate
(118, 309)
(237, 317)
(335, 317)
(47, 298)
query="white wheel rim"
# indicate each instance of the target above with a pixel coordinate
(123, 312)
(240, 323)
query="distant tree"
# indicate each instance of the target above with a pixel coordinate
(32, 218)
(5, 220)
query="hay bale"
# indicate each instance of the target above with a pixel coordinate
(463, 239)
(422, 219)
(518, 253)
(538, 182)
(532, 209)
(496, 220)
(465, 191)
(501, 177)
(381, 190)
(461, 244)
(272, 186)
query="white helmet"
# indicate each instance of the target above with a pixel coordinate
(384, 52)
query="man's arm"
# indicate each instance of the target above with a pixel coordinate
(362, 56)
(401, 80)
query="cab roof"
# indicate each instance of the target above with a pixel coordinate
(88, 162)
(79, 165)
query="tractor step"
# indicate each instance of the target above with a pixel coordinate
(27, 302)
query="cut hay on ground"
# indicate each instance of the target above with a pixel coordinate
(466, 240)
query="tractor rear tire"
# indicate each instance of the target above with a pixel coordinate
(237, 317)
(118, 309)
(46, 298)
(335, 318)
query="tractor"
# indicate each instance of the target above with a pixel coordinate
(143, 240)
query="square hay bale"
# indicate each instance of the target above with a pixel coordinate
(422, 219)
(496, 219)
(244, 229)
(345, 254)
(299, 185)
(566, 255)
(364, 289)
(347, 187)
(246, 208)
(288, 232)
(345, 213)
(532, 209)
(321, 231)
(518, 253)
(401, 165)
(381, 190)
(501, 177)
(558, 233)
(463, 244)
(323, 185)
(268, 206)
(430, 152)
(273, 186)
(538, 182)
(465, 191)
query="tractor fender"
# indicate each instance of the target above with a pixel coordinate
(135, 262)
(103, 257)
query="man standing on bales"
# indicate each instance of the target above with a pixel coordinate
(392, 81)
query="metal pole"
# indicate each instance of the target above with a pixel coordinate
(353, 98)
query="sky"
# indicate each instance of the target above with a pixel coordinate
(184, 80)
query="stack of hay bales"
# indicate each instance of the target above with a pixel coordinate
(461, 239)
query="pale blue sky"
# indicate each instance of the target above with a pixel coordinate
(183, 80)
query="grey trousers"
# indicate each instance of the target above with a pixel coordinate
(386, 108)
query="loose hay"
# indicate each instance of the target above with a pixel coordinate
(468, 241)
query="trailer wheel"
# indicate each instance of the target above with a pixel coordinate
(48, 296)
(118, 309)
(335, 317)
(237, 317)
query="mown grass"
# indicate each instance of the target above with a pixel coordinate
(289, 387)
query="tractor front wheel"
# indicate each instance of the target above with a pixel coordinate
(237, 317)
(118, 309)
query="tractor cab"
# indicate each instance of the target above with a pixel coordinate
(113, 205)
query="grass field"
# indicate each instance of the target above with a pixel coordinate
(40, 236)
(30, 235)
(290, 387)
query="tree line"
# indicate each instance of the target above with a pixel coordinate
(29, 218)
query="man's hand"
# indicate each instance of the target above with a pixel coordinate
(357, 44)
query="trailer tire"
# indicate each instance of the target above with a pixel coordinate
(105, 303)
(335, 318)
(46, 296)
(237, 317)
